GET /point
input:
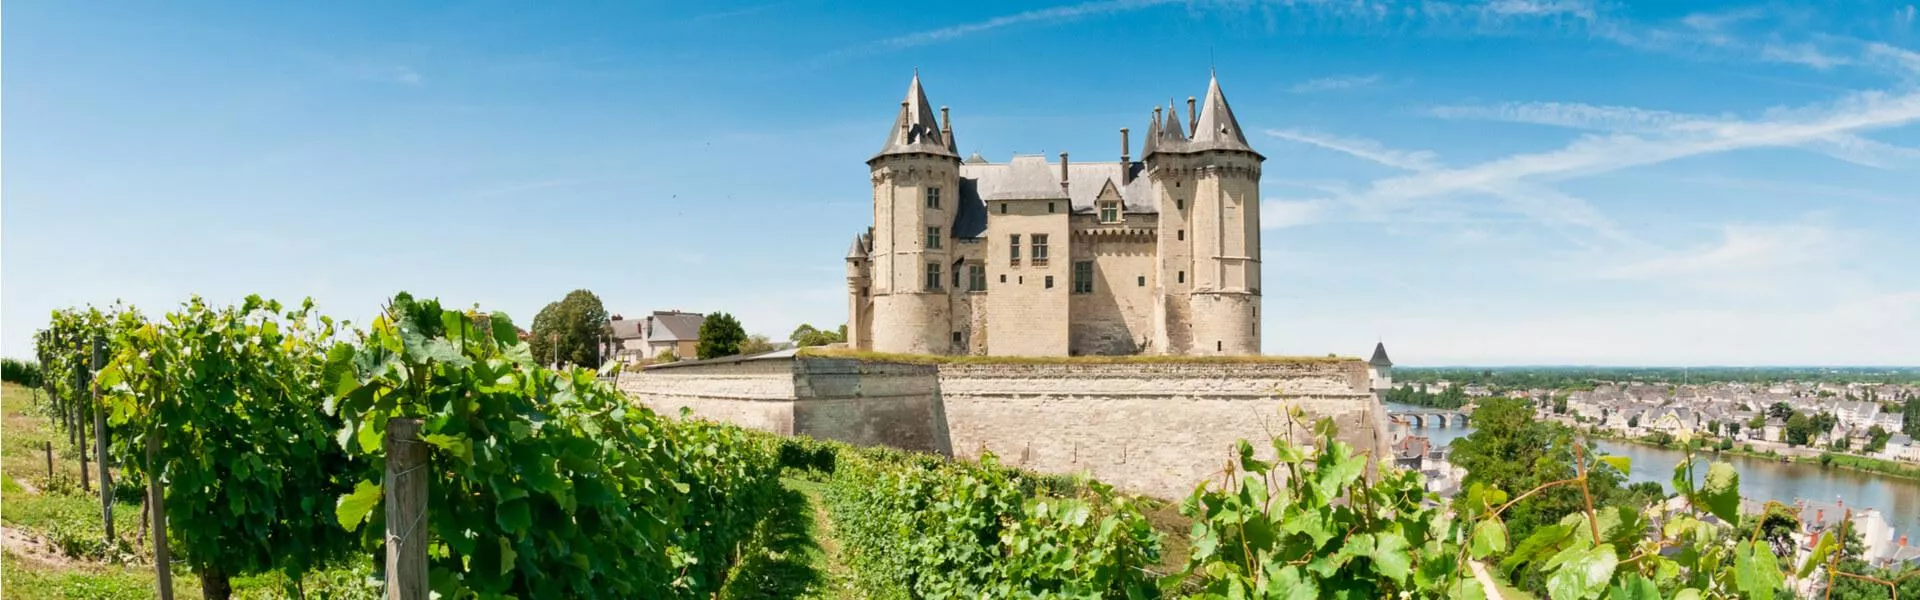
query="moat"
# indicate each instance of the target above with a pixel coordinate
(1760, 479)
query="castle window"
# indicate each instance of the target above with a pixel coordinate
(1049, 207)
(1003, 208)
(933, 276)
(933, 238)
(1219, 346)
(1110, 211)
(1013, 241)
(1083, 277)
(977, 278)
(956, 338)
(933, 197)
(1179, 204)
(1143, 281)
(1039, 249)
(1179, 235)
(1183, 277)
(1003, 278)
(956, 275)
(1049, 282)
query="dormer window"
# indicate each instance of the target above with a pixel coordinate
(1110, 211)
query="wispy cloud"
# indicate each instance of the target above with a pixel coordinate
(1281, 214)
(1802, 54)
(1743, 251)
(1369, 150)
(1481, 16)
(1329, 84)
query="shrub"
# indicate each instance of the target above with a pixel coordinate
(23, 372)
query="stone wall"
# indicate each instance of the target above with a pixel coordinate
(1155, 428)
(1151, 428)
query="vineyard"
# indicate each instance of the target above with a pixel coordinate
(280, 452)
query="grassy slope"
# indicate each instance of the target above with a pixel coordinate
(63, 512)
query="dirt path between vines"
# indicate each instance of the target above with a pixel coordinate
(32, 547)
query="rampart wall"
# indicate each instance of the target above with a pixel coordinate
(1155, 428)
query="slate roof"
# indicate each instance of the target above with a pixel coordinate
(675, 326)
(1216, 128)
(917, 129)
(1033, 178)
(1380, 356)
(625, 329)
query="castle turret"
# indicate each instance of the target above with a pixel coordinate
(915, 195)
(859, 282)
(1225, 226)
(1209, 191)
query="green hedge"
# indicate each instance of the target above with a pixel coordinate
(23, 372)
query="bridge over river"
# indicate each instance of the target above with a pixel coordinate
(1423, 418)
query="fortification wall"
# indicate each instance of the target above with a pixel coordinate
(1154, 428)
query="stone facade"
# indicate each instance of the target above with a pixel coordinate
(1151, 428)
(1038, 258)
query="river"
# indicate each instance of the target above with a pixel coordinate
(1898, 499)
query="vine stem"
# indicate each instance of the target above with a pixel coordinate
(1580, 463)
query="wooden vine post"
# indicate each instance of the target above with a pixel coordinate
(80, 446)
(100, 441)
(406, 491)
(49, 463)
(157, 509)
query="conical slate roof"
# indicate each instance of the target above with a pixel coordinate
(1216, 128)
(1153, 133)
(859, 249)
(917, 129)
(1380, 356)
(1173, 135)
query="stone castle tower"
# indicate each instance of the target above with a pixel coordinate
(1036, 258)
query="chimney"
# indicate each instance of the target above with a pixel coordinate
(1126, 161)
(946, 128)
(1193, 118)
(1903, 541)
(1063, 171)
(1156, 113)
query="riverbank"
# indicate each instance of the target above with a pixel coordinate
(1825, 460)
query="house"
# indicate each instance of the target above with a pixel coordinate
(1775, 430)
(1411, 452)
(1876, 535)
(1857, 414)
(629, 342)
(642, 340)
(1901, 447)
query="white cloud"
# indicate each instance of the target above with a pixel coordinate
(1417, 160)
(1905, 15)
(1801, 54)
(1617, 119)
(1281, 214)
(1329, 84)
(1744, 251)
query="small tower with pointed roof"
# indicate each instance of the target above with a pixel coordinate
(1380, 369)
(915, 192)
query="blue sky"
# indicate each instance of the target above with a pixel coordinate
(1474, 182)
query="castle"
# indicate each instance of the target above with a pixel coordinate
(1032, 258)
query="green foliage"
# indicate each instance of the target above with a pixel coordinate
(1512, 450)
(916, 526)
(570, 331)
(665, 356)
(720, 335)
(1877, 437)
(1449, 398)
(544, 483)
(1314, 526)
(805, 335)
(234, 395)
(756, 344)
(23, 372)
(1800, 429)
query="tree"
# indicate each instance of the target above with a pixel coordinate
(720, 335)
(1757, 422)
(757, 344)
(1780, 410)
(1733, 428)
(1633, 421)
(805, 335)
(665, 356)
(1877, 437)
(1511, 449)
(571, 331)
(1910, 416)
(1799, 429)
(1560, 404)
